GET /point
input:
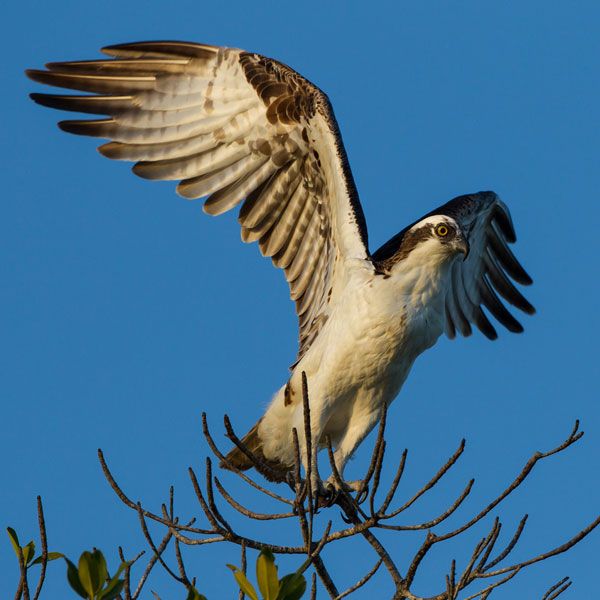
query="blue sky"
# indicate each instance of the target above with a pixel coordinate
(126, 312)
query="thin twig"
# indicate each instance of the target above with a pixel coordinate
(429, 524)
(44, 544)
(239, 473)
(211, 497)
(361, 582)
(509, 546)
(308, 448)
(432, 482)
(573, 437)
(557, 589)
(23, 589)
(545, 555)
(397, 476)
(492, 586)
(244, 566)
(247, 512)
(374, 456)
(259, 465)
(211, 518)
(153, 546)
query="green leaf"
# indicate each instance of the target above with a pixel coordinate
(100, 567)
(28, 552)
(88, 574)
(14, 540)
(73, 578)
(51, 556)
(114, 591)
(243, 583)
(266, 575)
(292, 587)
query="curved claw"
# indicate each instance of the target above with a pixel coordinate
(363, 494)
(332, 493)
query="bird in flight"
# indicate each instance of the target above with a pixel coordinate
(239, 128)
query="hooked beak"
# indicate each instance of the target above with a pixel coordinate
(462, 245)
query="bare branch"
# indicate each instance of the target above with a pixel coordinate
(243, 567)
(557, 589)
(23, 588)
(211, 498)
(433, 481)
(395, 482)
(249, 513)
(509, 547)
(361, 582)
(485, 592)
(239, 473)
(209, 515)
(573, 437)
(153, 546)
(306, 502)
(433, 522)
(44, 544)
(376, 453)
(259, 465)
(545, 555)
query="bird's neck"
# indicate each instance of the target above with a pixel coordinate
(422, 278)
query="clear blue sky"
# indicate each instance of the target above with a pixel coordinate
(126, 311)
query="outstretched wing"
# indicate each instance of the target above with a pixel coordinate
(487, 270)
(233, 126)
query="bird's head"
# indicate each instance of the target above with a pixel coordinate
(436, 238)
(435, 242)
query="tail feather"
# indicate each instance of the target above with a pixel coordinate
(237, 460)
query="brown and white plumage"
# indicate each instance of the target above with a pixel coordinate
(238, 127)
(476, 281)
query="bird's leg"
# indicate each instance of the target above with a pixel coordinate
(360, 425)
(310, 463)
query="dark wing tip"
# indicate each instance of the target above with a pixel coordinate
(37, 75)
(505, 223)
(484, 325)
(513, 325)
(40, 99)
(490, 334)
(74, 127)
(524, 277)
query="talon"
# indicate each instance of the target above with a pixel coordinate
(362, 495)
(332, 493)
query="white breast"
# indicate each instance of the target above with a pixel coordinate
(376, 332)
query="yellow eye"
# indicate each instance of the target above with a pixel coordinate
(442, 230)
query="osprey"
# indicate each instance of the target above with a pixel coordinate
(242, 128)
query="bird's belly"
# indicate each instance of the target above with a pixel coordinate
(370, 348)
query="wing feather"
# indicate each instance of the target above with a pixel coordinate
(475, 281)
(236, 127)
(280, 232)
